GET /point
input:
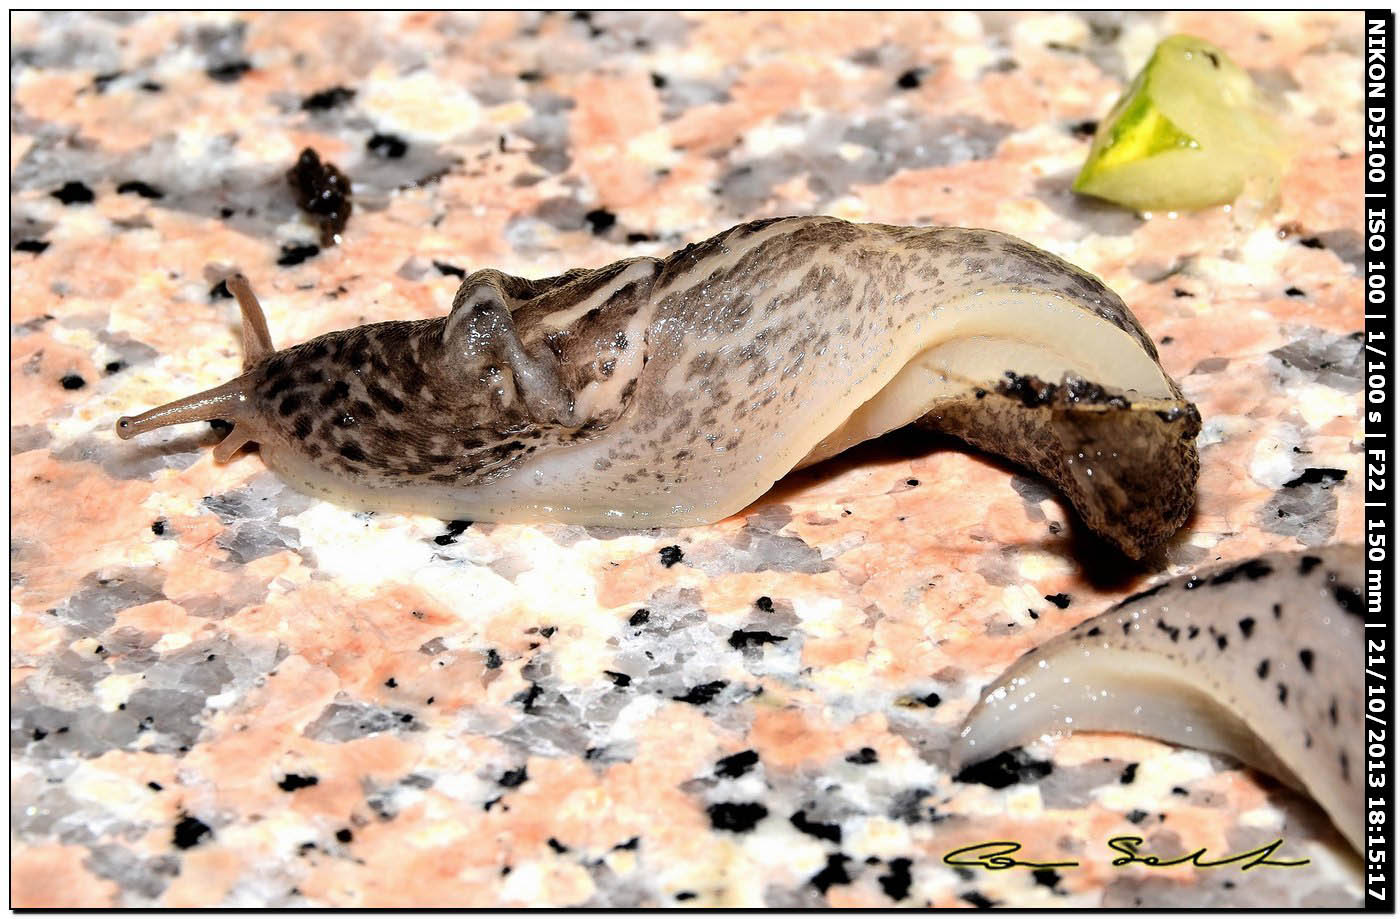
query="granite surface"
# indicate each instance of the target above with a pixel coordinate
(226, 693)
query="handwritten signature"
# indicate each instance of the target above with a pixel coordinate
(996, 855)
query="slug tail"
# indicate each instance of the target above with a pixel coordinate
(227, 401)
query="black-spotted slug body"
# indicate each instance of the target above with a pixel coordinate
(676, 391)
(1261, 660)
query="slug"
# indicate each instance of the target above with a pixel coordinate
(1261, 660)
(676, 391)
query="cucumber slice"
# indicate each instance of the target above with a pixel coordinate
(1190, 132)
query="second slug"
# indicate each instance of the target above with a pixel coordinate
(676, 391)
(1260, 659)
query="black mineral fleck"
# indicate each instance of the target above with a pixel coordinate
(831, 831)
(737, 764)
(834, 873)
(73, 193)
(296, 253)
(600, 220)
(737, 817)
(231, 72)
(291, 781)
(190, 831)
(143, 189)
(1005, 769)
(327, 99)
(388, 146)
(896, 883)
(702, 694)
(910, 79)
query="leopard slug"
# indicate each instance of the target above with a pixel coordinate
(1260, 660)
(676, 391)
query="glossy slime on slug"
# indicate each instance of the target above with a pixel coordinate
(676, 391)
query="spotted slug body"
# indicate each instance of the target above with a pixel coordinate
(676, 391)
(1261, 660)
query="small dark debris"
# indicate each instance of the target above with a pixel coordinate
(912, 483)
(1136, 816)
(296, 253)
(72, 381)
(327, 99)
(736, 817)
(190, 831)
(322, 191)
(765, 604)
(74, 193)
(391, 683)
(1060, 600)
(1084, 128)
(634, 238)
(530, 76)
(632, 844)
(977, 900)
(344, 835)
(1046, 877)
(618, 679)
(658, 81)
(548, 631)
(736, 764)
(155, 786)
(388, 146)
(493, 659)
(158, 528)
(1295, 292)
(135, 187)
(291, 781)
(557, 846)
(640, 617)
(671, 555)
(687, 895)
(1312, 242)
(151, 86)
(445, 268)
(864, 756)
(32, 245)
(1129, 774)
(515, 778)
(112, 367)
